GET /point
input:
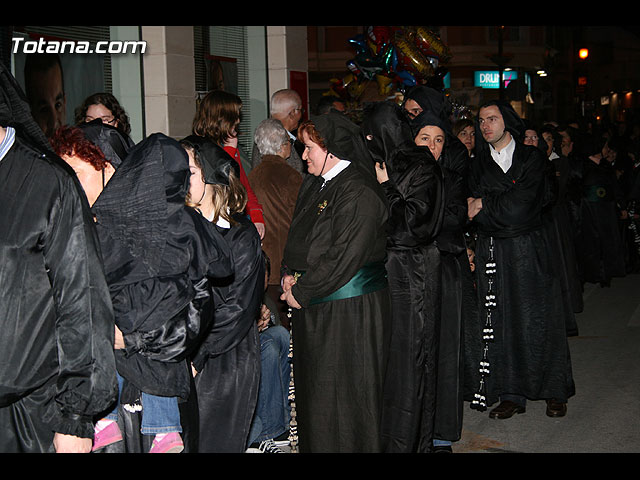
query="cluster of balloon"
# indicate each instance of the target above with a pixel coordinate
(395, 57)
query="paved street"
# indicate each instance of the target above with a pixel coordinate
(604, 415)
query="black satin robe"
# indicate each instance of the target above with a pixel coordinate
(340, 346)
(529, 354)
(160, 257)
(457, 286)
(599, 247)
(56, 345)
(228, 360)
(559, 221)
(415, 192)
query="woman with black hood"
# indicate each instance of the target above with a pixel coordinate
(227, 363)
(413, 183)
(525, 353)
(335, 282)
(458, 308)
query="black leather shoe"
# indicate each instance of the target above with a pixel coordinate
(506, 409)
(556, 408)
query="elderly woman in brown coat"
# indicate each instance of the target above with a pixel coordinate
(276, 185)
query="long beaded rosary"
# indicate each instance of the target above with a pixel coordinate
(293, 423)
(479, 401)
(633, 225)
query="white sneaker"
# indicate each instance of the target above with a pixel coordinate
(269, 446)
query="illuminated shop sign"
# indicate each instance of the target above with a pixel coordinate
(489, 78)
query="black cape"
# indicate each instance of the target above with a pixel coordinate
(560, 222)
(599, 247)
(58, 368)
(159, 257)
(415, 192)
(528, 353)
(458, 304)
(339, 346)
(228, 360)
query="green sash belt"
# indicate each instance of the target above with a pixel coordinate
(597, 193)
(370, 278)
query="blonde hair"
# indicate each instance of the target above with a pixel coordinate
(226, 200)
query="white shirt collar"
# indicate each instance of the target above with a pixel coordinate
(505, 156)
(7, 141)
(221, 221)
(337, 168)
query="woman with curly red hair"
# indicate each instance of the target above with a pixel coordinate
(85, 158)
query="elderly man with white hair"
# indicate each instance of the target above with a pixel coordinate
(286, 106)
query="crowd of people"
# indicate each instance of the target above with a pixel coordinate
(347, 287)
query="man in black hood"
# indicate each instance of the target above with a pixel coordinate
(524, 352)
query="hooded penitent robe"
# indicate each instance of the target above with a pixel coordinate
(228, 359)
(56, 347)
(336, 243)
(519, 291)
(415, 192)
(599, 247)
(160, 257)
(564, 224)
(458, 305)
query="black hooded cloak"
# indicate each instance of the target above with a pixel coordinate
(458, 307)
(519, 292)
(415, 192)
(228, 360)
(56, 346)
(599, 246)
(160, 257)
(336, 243)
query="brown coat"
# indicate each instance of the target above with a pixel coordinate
(276, 185)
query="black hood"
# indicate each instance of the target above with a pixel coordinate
(431, 100)
(114, 144)
(512, 123)
(339, 134)
(454, 154)
(428, 117)
(386, 130)
(143, 195)
(343, 139)
(216, 163)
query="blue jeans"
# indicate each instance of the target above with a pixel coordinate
(159, 414)
(273, 411)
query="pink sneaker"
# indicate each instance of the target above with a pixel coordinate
(167, 443)
(106, 435)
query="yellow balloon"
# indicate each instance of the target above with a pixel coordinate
(418, 62)
(384, 85)
(425, 36)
